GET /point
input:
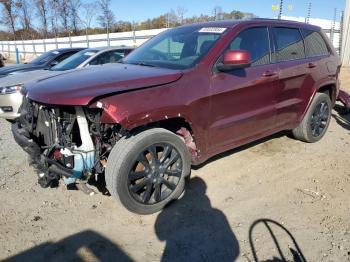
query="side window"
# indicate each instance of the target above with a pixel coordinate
(256, 42)
(64, 56)
(115, 56)
(314, 44)
(103, 58)
(288, 44)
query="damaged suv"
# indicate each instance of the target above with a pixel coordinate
(182, 97)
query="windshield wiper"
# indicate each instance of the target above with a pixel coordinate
(141, 63)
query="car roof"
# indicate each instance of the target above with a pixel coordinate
(232, 23)
(68, 49)
(103, 48)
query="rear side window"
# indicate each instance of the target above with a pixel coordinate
(64, 56)
(288, 44)
(314, 44)
(256, 42)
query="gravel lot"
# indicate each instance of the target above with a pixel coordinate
(297, 191)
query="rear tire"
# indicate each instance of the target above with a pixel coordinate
(147, 171)
(316, 120)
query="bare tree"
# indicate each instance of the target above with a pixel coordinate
(74, 6)
(107, 17)
(25, 10)
(88, 12)
(63, 12)
(9, 15)
(171, 18)
(180, 12)
(42, 8)
(54, 11)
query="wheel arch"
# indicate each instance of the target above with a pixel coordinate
(177, 123)
(329, 87)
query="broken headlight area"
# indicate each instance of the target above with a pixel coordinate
(64, 142)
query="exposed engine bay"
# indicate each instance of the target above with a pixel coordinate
(64, 141)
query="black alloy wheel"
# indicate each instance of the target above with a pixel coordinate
(155, 173)
(319, 119)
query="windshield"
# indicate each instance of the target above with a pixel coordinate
(75, 60)
(179, 48)
(44, 58)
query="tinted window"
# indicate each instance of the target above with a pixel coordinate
(64, 56)
(289, 44)
(108, 57)
(44, 58)
(314, 44)
(75, 60)
(116, 55)
(256, 42)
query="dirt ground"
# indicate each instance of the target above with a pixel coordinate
(274, 196)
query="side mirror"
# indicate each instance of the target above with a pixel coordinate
(234, 59)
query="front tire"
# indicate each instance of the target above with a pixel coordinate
(316, 120)
(146, 171)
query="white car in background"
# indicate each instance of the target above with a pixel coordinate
(10, 85)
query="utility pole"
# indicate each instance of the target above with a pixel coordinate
(333, 25)
(341, 33)
(281, 10)
(346, 36)
(307, 19)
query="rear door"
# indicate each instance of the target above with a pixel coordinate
(322, 65)
(242, 100)
(295, 79)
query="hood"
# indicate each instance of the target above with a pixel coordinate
(17, 68)
(79, 87)
(25, 77)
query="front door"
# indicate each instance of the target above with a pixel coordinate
(243, 100)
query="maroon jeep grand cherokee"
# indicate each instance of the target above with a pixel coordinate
(182, 97)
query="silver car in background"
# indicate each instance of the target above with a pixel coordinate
(10, 86)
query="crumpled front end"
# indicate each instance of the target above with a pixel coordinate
(62, 142)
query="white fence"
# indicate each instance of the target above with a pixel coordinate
(29, 48)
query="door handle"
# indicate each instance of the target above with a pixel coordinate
(269, 74)
(311, 65)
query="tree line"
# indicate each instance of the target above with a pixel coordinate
(35, 19)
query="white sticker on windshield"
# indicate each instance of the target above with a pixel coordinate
(55, 52)
(89, 53)
(215, 30)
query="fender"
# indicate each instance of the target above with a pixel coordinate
(139, 108)
(316, 88)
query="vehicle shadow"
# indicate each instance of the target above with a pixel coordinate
(84, 246)
(242, 148)
(342, 117)
(195, 231)
(288, 252)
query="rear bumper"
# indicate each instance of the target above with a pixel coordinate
(9, 105)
